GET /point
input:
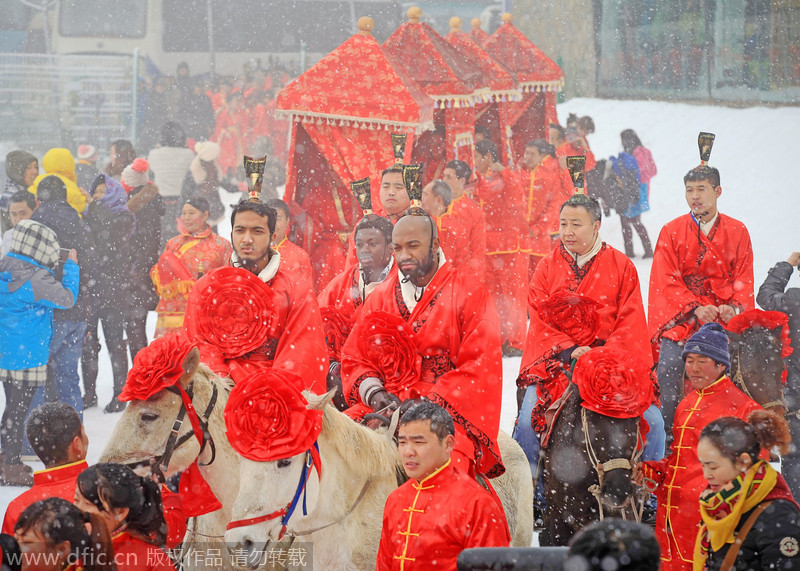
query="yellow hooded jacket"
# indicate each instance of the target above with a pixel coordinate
(61, 163)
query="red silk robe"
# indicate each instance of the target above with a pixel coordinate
(691, 269)
(458, 337)
(185, 259)
(609, 278)
(426, 524)
(680, 476)
(296, 261)
(343, 293)
(296, 338)
(507, 250)
(462, 234)
(134, 554)
(547, 187)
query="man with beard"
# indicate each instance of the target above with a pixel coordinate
(456, 338)
(295, 341)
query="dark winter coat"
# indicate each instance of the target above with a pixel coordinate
(110, 233)
(72, 233)
(772, 542)
(772, 297)
(144, 246)
(196, 114)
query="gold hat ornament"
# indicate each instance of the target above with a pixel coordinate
(399, 147)
(412, 178)
(705, 142)
(254, 168)
(361, 190)
(576, 166)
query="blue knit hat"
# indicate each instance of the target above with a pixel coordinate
(711, 341)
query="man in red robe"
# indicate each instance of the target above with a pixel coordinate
(452, 353)
(294, 259)
(575, 145)
(345, 294)
(548, 187)
(295, 340)
(702, 271)
(679, 477)
(465, 222)
(585, 265)
(507, 243)
(440, 511)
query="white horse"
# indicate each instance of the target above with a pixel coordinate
(141, 434)
(345, 505)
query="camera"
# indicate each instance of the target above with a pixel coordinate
(63, 254)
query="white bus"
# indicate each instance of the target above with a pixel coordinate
(213, 34)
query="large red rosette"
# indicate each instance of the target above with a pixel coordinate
(267, 417)
(156, 367)
(230, 309)
(387, 343)
(337, 328)
(766, 319)
(573, 314)
(613, 382)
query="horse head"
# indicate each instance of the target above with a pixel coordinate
(274, 495)
(142, 435)
(757, 365)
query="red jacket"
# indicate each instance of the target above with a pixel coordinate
(462, 234)
(547, 187)
(500, 197)
(691, 269)
(296, 261)
(679, 476)
(134, 554)
(426, 524)
(58, 482)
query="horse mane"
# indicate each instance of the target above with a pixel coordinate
(375, 451)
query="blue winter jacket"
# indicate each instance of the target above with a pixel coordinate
(29, 292)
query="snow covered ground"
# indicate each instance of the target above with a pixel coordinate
(753, 150)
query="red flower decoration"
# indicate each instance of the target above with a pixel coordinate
(337, 328)
(387, 343)
(573, 314)
(267, 417)
(766, 319)
(156, 367)
(613, 382)
(231, 309)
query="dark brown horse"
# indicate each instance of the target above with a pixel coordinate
(587, 470)
(757, 365)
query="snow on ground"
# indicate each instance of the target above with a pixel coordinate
(757, 189)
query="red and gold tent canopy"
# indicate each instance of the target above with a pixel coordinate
(343, 110)
(533, 70)
(477, 33)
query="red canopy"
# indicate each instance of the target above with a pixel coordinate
(539, 77)
(448, 78)
(477, 33)
(498, 86)
(342, 111)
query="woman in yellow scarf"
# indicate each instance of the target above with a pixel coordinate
(750, 519)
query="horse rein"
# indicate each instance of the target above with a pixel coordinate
(738, 380)
(614, 464)
(173, 442)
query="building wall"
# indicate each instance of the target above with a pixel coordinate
(564, 30)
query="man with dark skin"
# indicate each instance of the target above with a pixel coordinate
(456, 334)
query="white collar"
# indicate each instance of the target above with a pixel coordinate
(705, 227)
(583, 259)
(269, 270)
(412, 292)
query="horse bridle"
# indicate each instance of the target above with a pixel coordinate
(198, 421)
(614, 464)
(738, 380)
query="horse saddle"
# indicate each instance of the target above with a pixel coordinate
(551, 414)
